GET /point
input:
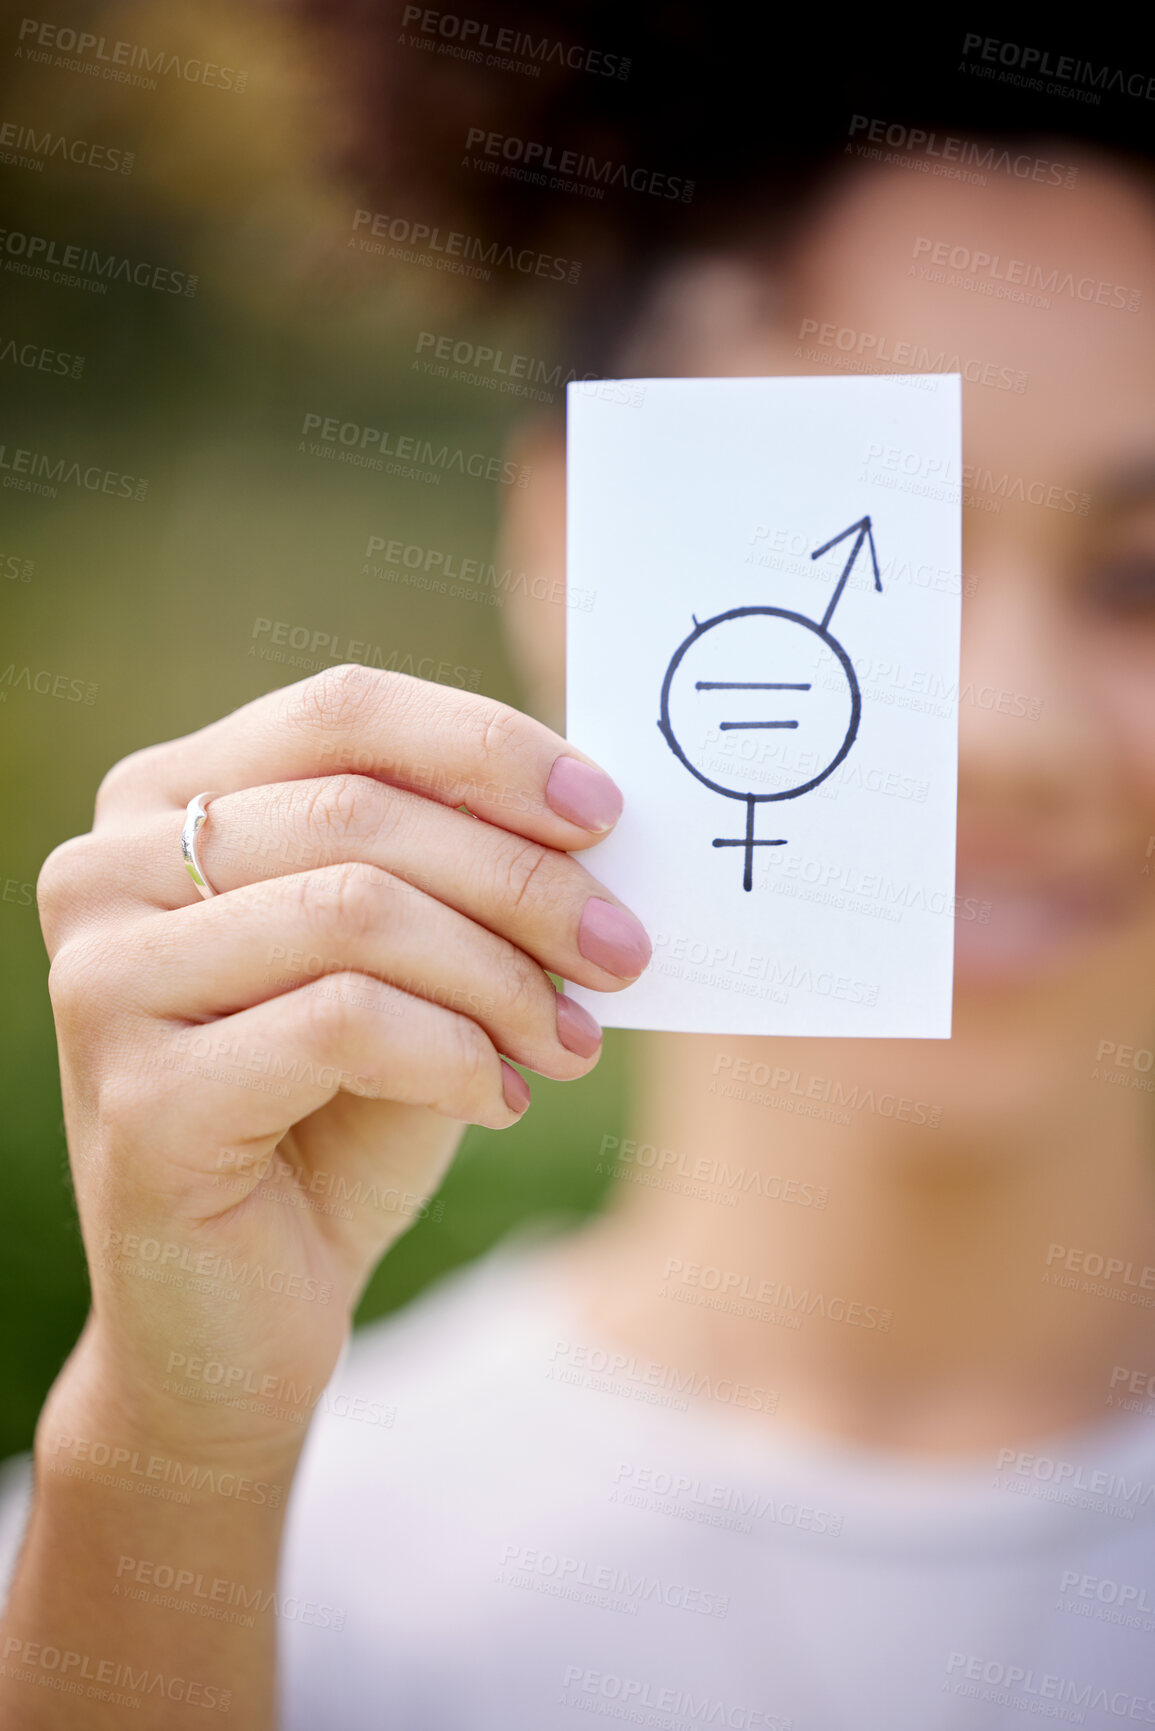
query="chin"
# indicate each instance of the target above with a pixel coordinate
(1032, 1013)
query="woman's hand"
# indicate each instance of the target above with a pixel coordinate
(262, 1089)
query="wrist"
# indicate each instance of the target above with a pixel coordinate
(105, 1427)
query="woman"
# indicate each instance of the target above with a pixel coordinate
(634, 1473)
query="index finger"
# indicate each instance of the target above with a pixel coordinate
(456, 747)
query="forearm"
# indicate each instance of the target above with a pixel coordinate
(204, 1144)
(145, 1591)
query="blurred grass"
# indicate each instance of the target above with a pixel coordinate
(154, 601)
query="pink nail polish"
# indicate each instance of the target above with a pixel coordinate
(583, 795)
(613, 939)
(576, 1028)
(514, 1087)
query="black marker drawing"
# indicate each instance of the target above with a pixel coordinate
(766, 642)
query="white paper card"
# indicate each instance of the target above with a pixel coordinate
(775, 716)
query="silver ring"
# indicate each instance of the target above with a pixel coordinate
(195, 819)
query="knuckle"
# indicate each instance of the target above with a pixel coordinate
(60, 878)
(332, 1010)
(501, 727)
(341, 808)
(525, 870)
(472, 1059)
(346, 899)
(123, 780)
(62, 986)
(125, 1106)
(522, 987)
(72, 981)
(336, 699)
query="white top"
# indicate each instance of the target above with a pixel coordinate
(493, 1531)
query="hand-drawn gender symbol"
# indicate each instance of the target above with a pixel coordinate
(767, 641)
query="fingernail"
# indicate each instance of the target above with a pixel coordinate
(514, 1087)
(613, 939)
(583, 794)
(576, 1028)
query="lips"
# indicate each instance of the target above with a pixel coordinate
(1008, 931)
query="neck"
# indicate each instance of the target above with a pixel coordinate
(891, 1278)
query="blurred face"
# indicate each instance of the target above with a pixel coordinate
(1057, 712)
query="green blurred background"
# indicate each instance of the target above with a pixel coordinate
(154, 602)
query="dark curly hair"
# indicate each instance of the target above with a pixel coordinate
(727, 121)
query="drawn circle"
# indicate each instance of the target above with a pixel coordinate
(741, 675)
